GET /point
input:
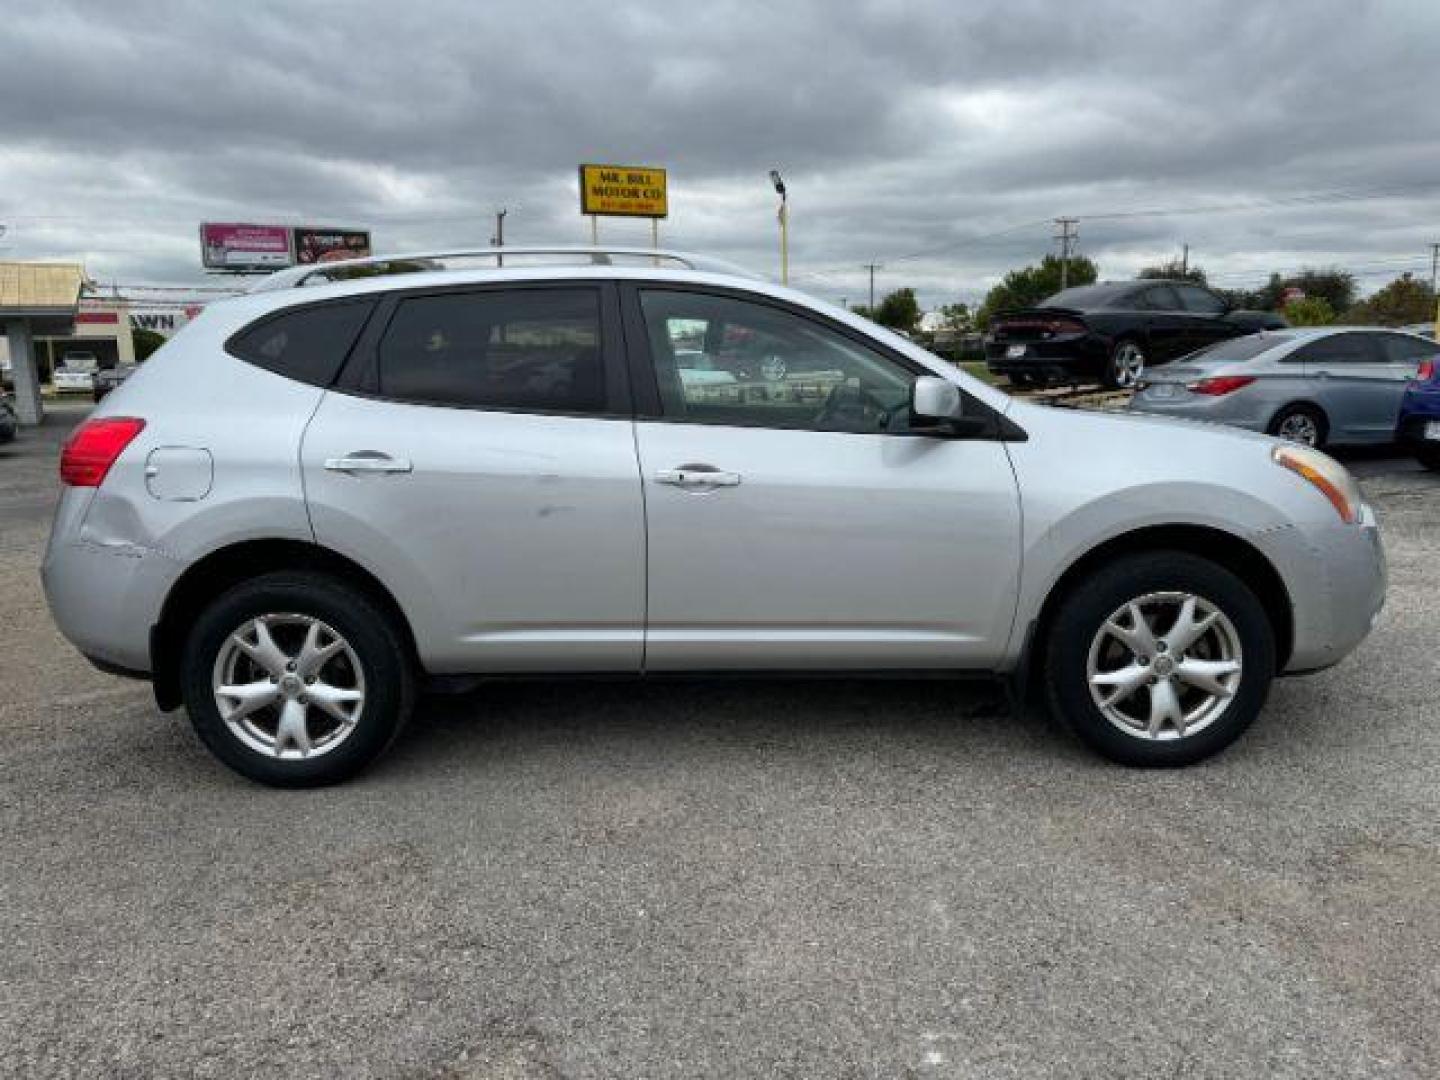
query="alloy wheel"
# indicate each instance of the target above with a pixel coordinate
(1301, 428)
(1127, 365)
(288, 686)
(1164, 666)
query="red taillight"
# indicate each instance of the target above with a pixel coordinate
(1427, 371)
(1041, 325)
(92, 449)
(1220, 384)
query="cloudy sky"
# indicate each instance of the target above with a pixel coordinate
(938, 139)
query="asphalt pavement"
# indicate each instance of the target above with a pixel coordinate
(724, 879)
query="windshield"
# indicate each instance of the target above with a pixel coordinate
(1238, 349)
(1084, 297)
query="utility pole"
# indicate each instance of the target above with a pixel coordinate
(498, 240)
(784, 217)
(1068, 234)
(872, 267)
(1434, 265)
(1185, 261)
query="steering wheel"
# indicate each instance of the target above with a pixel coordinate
(853, 408)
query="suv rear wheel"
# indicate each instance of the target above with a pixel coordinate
(296, 680)
(1161, 658)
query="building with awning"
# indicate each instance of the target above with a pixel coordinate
(36, 299)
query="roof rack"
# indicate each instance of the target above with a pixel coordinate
(429, 261)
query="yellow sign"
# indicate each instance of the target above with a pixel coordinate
(623, 191)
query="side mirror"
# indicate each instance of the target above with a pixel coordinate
(934, 398)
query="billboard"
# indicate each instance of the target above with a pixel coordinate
(241, 247)
(623, 191)
(328, 245)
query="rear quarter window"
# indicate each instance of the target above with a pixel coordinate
(307, 344)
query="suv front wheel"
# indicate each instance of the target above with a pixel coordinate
(1160, 658)
(296, 679)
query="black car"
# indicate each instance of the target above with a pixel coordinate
(1111, 332)
(107, 379)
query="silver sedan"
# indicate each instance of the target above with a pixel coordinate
(1318, 386)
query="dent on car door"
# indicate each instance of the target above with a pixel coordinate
(794, 522)
(479, 458)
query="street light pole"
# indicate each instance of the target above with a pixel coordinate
(498, 240)
(784, 216)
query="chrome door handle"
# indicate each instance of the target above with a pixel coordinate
(697, 476)
(369, 462)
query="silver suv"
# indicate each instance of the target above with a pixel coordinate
(364, 477)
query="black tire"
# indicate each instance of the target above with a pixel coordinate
(1083, 612)
(1429, 456)
(373, 638)
(1118, 375)
(1314, 414)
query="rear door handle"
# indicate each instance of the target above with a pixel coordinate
(697, 476)
(368, 461)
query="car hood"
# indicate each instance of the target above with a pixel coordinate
(1128, 429)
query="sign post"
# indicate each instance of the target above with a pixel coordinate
(624, 191)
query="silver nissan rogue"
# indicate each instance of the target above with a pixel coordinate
(362, 477)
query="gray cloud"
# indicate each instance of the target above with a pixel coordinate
(901, 127)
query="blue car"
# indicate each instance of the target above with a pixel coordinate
(1419, 425)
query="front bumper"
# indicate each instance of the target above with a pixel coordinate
(1336, 578)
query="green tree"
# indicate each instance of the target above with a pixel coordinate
(1404, 300)
(1333, 285)
(899, 310)
(145, 342)
(1174, 270)
(1027, 287)
(1311, 311)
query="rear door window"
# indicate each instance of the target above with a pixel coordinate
(1340, 349)
(1236, 350)
(531, 350)
(307, 344)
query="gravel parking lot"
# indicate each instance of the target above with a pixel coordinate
(724, 879)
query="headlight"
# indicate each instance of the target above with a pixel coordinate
(1326, 475)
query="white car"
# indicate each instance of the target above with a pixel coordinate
(69, 380)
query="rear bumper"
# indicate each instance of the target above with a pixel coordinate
(105, 597)
(1052, 361)
(1411, 429)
